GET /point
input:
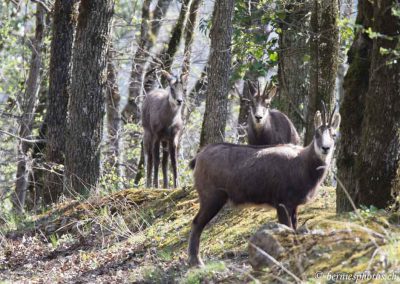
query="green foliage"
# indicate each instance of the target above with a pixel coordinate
(254, 49)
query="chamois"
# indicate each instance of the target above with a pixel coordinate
(281, 176)
(162, 123)
(266, 126)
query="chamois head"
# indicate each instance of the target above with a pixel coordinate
(260, 103)
(177, 89)
(325, 132)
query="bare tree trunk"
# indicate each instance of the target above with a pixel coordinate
(167, 54)
(219, 69)
(188, 34)
(293, 70)
(64, 23)
(378, 159)
(148, 34)
(244, 109)
(356, 83)
(140, 58)
(113, 99)
(86, 104)
(28, 105)
(324, 59)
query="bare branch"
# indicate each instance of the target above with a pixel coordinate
(23, 139)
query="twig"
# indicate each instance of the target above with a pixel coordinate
(23, 139)
(297, 279)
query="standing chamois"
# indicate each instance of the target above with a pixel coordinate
(282, 177)
(266, 126)
(162, 123)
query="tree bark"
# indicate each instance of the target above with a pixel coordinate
(28, 105)
(324, 60)
(64, 23)
(218, 73)
(355, 86)
(293, 70)
(86, 105)
(377, 164)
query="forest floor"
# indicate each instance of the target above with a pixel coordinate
(140, 236)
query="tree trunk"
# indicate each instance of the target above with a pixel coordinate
(166, 56)
(293, 70)
(86, 105)
(28, 105)
(218, 73)
(244, 109)
(64, 22)
(324, 60)
(355, 86)
(131, 110)
(113, 117)
(377, 164)
(189, 33)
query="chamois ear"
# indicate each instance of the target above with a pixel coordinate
(171, 79)
(251, 87)
(184, 78)
(270, 91)
(336, 121)
(317, 119)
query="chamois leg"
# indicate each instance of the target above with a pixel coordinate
(156, 157)
(165, 163)
(173, 151)
(208, 209)
(294, 218)
(148, 157)
(285, 215)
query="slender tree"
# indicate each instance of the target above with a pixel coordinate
(113, 99)
(86, 104)
(148, 33)
(293, 70)
(324, 59)
(377, 179)
(188, 34)
(218, 72)
(165, 58)
(28, 105)
(64, 23)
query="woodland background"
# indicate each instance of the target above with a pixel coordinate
(74, 73)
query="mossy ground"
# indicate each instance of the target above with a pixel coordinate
(140, 236)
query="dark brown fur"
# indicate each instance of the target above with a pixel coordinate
(277, 129)
(282, 176)
(266, 126)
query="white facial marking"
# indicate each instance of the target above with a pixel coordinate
(260, 112)
(326, 142)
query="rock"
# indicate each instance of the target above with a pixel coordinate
(264, 243)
